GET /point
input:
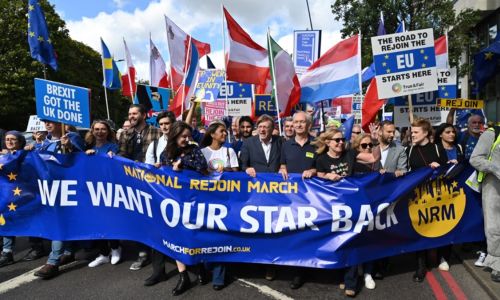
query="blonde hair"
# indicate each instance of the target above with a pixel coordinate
(320, 141)
(357, 141)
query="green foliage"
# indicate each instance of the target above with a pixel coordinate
(437, 14)
(78, 65)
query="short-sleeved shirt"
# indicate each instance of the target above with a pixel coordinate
(106, 148)
(225, 157)
(298, 158)
(343, 165)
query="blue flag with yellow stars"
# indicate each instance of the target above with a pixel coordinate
(486, 64)
(38, 36)
(112, 76)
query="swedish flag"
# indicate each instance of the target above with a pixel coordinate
(112, 76)
(38, 36)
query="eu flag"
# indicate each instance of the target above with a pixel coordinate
(112, 76)
(486, 64)
(38, 36)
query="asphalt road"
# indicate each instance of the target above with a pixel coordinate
(77, 281)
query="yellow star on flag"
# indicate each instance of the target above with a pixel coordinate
(454, 184)
(422, 51)
(17, 191)
(242, 90)
(386, 56)
(240, 84)
(388, 70)
(12, 176)
(446, 94)
(426, 57)
(241, 95)
(49, 41)
(31, 7)
(443, 88)
(384, 64)
(423, 65)
(488, 56)
(40, 38)
(32, 34)
(12, 206)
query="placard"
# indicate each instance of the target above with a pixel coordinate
(35, 124)
(306, 49)
(208, 85)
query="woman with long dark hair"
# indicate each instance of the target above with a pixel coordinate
(101, 140)
(220, 159)
(181, 154)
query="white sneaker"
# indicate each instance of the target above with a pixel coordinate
(480, 261)
(100, 260)
(369, 282)
(444, 266)
(116, 255)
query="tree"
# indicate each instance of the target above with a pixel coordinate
(78, 65)
(418, 14)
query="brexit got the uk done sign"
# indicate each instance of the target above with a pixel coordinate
(405, 63)
(232, 217)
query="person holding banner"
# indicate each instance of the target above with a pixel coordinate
(101, 140)
(181, 154)
(38, 138)
(133, 145)
(14, 141)
(219, 159)
(422, 153)
(165, 119)
(334, 163)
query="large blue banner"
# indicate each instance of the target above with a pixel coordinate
(232, 217)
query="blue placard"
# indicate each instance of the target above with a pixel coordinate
(264, 105)
(235, 90)
(306, 49)
(356, 106)
(63, 103)
(208, 85)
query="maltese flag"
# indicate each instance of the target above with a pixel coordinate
(441, 50)
(335, 73)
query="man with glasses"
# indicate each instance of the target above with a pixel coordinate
(469, 138)
(133, 145)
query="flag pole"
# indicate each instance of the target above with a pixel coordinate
(224, 59)
(128, 71)
(360, 80)
(104, 78)
(188, 54)
(274, 78)
(169, 71)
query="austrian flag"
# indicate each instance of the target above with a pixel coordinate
(247, 61)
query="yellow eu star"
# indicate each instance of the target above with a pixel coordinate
(32, 34)
(454, 184)
(12, 206)
(446, 94)
(488, 56)
(40, 38)
(12, 176)
(17, 191)
(31, 7)
(386, 56)
(388, 70)
(423, 65)
(384, 64)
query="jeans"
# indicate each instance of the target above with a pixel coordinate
(351, 278)
(8, 243)
(58, 249)
(218, 273)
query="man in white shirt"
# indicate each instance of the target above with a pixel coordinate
(165, 120)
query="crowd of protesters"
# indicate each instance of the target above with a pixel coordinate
(257, 148)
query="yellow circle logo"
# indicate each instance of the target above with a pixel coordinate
(437, 208)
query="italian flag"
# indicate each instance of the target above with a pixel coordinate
(286, 86)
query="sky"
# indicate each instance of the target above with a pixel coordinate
(135, 20)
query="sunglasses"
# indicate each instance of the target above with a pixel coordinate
(338, 140)
(356, 132)
(366, 145)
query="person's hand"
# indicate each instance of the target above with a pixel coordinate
(373, 131)
(333, 177)
(90, 152)
(65, 140)
(157, 165)
(284, 173)
(4, 151)
(453, 161)
(382, 171)
(251, 172)
(29, 147)
(176, 166)
(434, 165)
(307, 174)
(111, 154)
(399, 173)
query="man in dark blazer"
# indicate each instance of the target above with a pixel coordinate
(261, 153)
(393, 156)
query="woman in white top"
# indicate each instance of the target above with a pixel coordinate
(219, 159)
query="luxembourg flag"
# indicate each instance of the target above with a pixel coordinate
(441, 50)
(335, 73)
